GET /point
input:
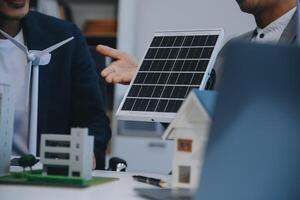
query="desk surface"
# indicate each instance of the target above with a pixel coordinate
(122, 189)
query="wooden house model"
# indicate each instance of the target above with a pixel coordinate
(190, 130)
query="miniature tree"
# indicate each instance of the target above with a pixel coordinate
(31, 161)
(27, 161)
(22, 162)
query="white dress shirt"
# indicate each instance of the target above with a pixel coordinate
(273, 32)
(14, 71)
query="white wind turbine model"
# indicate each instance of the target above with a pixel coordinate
(35, 58)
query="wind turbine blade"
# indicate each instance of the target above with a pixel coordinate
(15, 42)
(52, 48)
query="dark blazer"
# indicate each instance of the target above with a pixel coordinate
(69, 90)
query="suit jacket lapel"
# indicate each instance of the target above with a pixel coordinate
(34, 34)
(290, 33)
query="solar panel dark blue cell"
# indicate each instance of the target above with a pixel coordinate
(183, 53)
(162, 105)
(179, 40)
(151, 78)
(212, 40)
(196, 79)
(151, 53)
(128, 104)
(167, 41)
(158, 65)
(202, 65)
(134, 90)
(140, 78)
(157, 91)
(178, 65)
(167, 91)
(173, 78)
(199, 40)
(195, 53)
(190, 65)
(173, 106)
(163, 78)
(152, 105)
(169, 65)
(156, 41)
(141, 104)
(179, 92)
(188, 41)
(146, 91)
(207, 52)
(146, 65)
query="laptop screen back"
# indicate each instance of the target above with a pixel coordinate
(254, 147)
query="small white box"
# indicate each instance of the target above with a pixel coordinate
(68, 155)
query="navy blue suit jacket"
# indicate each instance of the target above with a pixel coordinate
(69, 90)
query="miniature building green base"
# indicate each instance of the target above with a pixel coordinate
(35, 178)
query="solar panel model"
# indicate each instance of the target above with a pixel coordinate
(175, 63)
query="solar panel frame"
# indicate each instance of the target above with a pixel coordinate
(152, 114)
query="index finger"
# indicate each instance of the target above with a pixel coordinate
(108, 51)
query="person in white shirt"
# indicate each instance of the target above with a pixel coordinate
(275, 19)
(69, 91)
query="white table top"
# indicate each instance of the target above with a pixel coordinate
(121, 189)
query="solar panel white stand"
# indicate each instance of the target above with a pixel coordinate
(35, 59)
(175, 63)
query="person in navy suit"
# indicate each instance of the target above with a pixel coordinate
(69, 90)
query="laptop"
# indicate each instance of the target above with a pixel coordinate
(254, 146)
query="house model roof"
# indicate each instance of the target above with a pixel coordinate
(197, 108)
(207, 100)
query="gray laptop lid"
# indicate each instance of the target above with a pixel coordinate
(254, 147)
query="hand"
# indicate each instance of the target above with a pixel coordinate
(123, 67)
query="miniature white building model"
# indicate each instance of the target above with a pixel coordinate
(190, 130)
(68, 155)
(6, 127)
